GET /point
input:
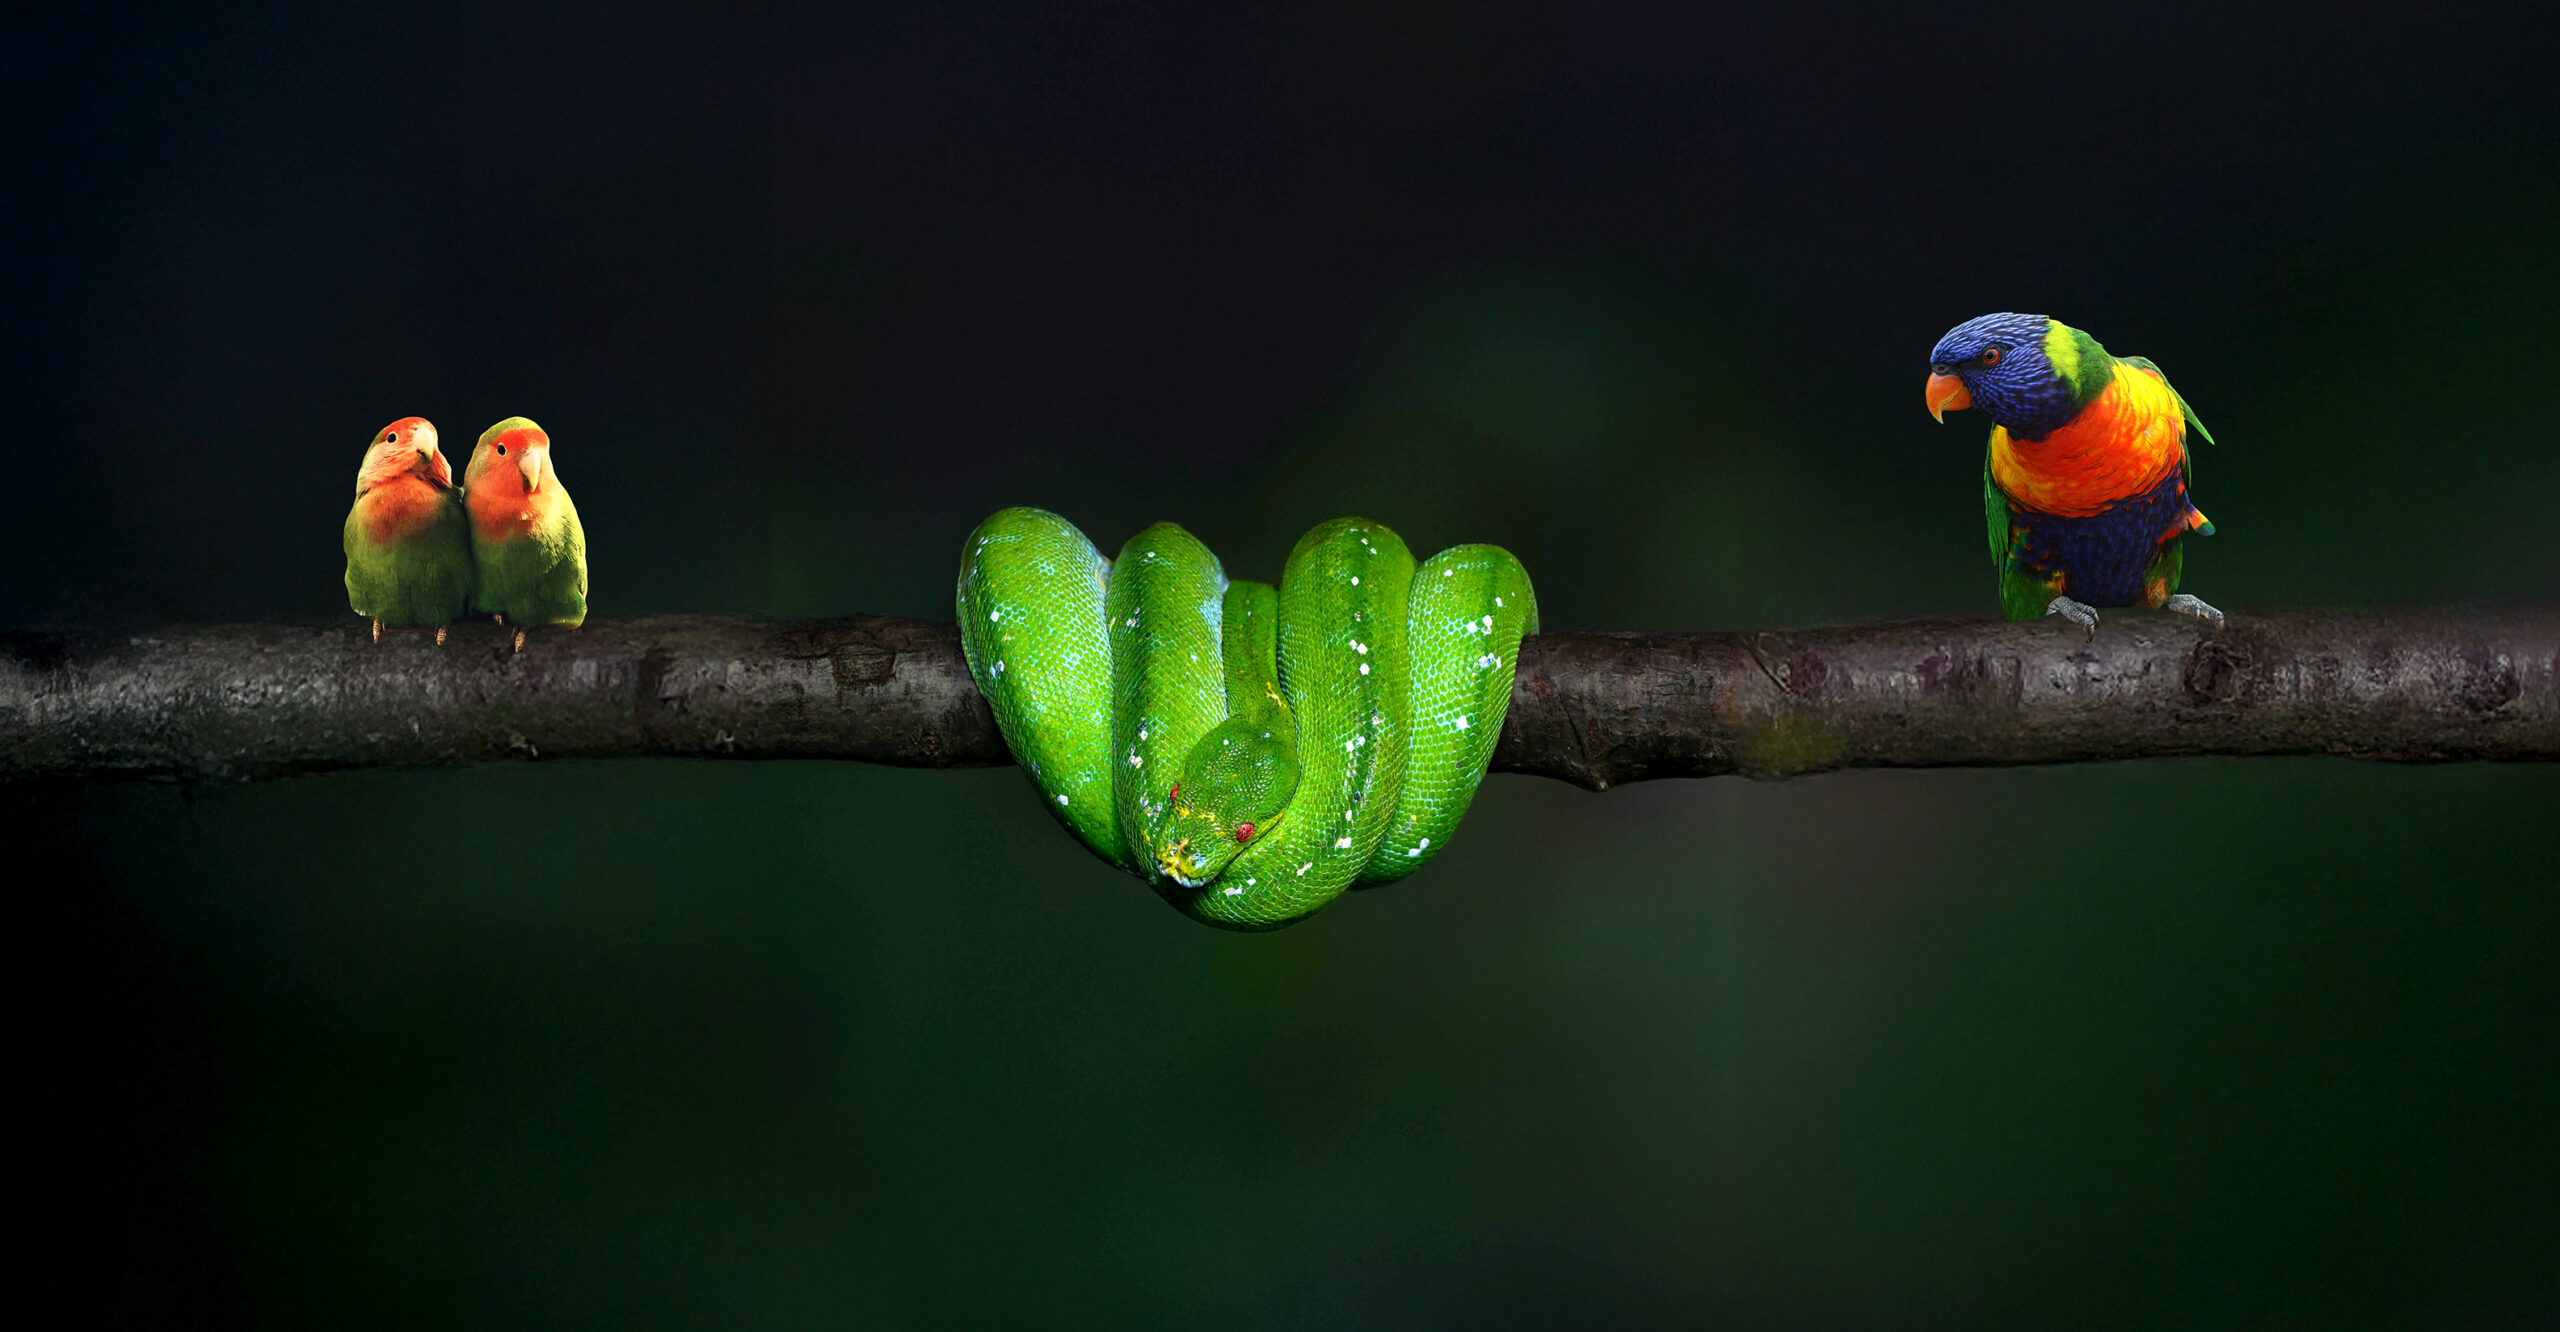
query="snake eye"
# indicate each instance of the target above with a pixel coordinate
(1244, 833)
(1175, 793)
(1991, 356)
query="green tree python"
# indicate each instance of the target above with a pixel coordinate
(1249, 751)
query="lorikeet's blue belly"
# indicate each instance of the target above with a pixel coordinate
(2103, 557)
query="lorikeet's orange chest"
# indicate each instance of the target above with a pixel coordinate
(2119, 446)
(398, 508)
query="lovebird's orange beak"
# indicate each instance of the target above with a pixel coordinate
(1947, 394)
(423, 439)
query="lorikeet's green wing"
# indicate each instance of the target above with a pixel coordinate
(1995, 517)
(2024, 594)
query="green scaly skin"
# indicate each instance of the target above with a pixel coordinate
(1241, 775)
(1159, 708)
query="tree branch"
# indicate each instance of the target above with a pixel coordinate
(232, 702)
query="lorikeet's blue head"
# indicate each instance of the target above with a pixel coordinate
(2006, 364)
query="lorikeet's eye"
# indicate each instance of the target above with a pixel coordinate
(1244, 833)
(1991, 356)
(502, 450)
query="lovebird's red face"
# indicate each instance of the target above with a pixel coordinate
(406, 447)
(513, 462)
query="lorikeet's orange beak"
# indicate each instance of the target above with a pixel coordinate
(1947, 394)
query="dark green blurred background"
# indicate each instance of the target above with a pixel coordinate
(804, 293)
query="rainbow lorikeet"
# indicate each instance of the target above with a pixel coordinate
(408, 546)
(2085, 484)
(527, 544)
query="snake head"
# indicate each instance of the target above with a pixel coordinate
(1236, 783)
(1175, 861)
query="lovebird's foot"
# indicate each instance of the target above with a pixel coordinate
(519, 640)
(377, 631)
(501, 619)
(440, 635)
(2084, 616)
(2187, 605)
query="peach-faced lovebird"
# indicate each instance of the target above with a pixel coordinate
(408, 547)
(530, 552)
(2085, 485)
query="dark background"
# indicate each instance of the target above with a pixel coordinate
(803, 293)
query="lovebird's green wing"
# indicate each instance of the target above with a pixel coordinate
(418, 581)
(359, 578)
(567, 591)
(538, 578)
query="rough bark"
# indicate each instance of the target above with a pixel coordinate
(234, 702)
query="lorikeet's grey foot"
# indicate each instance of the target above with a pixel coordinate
(2084, 616)
(2187, 605)
(519, 640)
(440, 635)
(377, 631)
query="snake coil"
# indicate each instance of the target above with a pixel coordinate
(1250, 752)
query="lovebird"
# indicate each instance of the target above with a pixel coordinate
(2085, 484)
(528, 551)
(408, 544)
